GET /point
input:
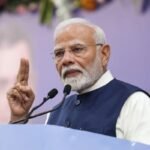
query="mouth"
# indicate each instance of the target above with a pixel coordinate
(71, 73)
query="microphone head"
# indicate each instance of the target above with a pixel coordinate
(52, 93)
(67, 89)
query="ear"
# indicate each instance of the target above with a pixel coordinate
(105, 55)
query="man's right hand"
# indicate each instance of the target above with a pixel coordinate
(21, 96)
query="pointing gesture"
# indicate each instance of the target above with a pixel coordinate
(23, 73)
(21, 96)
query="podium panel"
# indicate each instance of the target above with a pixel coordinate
(48, 137)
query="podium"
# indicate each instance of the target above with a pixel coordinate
(48, 137)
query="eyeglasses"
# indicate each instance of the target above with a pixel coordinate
(77, 50)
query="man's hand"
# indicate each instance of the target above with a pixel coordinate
(21, 96)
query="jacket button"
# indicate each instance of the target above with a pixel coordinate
(77, 102)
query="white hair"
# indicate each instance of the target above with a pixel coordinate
(99, 33)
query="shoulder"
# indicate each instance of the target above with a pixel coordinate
(137, 103)
(130, 88)
(138, 99)
(127, 85)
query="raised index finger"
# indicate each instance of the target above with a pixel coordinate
(23, 73)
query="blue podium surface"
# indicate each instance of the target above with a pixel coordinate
(47, 137)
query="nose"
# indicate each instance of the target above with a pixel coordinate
(68, 59)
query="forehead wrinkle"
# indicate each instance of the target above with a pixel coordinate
(69, 43)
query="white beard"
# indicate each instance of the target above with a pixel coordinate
(86, 79)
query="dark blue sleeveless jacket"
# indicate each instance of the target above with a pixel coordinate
(96, 111)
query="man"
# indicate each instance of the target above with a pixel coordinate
(103, 104)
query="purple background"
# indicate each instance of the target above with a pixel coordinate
(127, 31)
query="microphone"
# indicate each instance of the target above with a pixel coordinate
(66, 91)
(51, 94)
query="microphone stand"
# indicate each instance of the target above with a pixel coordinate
(24, 121)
